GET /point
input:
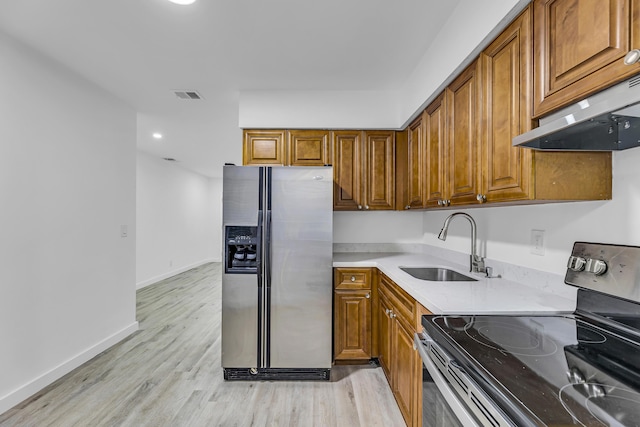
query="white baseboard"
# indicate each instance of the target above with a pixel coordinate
(166, 275)
(12, 399)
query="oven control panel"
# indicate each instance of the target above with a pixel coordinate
(606, 268)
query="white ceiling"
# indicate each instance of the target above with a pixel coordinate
(141, 50)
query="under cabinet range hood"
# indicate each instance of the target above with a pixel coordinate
(606, 121)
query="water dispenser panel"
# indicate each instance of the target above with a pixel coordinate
(241, 249)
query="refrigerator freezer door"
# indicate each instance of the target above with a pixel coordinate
(301, 267)
(240, 291)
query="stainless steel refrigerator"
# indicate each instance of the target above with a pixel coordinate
(277, 277)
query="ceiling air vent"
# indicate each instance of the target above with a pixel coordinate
(187, 94)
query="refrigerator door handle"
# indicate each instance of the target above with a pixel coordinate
(266, 244)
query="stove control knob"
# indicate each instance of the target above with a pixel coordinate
(596, 266)
(576, 263)
(575, 376)
(596, 391)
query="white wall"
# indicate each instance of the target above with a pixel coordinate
(378, 227)
(67, 184)
(179, 213)
(472, 26)
(319, 109)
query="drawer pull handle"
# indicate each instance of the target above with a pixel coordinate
(353, 278)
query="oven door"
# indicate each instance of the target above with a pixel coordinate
(440, 406)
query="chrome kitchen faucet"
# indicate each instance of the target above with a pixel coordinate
(476, 261)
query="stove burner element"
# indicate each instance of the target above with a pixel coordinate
(609, 406)
(588, 335)
(509, 338)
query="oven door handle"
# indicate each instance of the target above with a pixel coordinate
(421, 343)
(463, 394)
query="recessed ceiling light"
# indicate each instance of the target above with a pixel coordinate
(157, 135)
(182, 2)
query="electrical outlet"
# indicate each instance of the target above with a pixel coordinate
(537, 242)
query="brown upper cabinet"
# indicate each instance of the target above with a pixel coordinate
(411, 166)
(287, 148)
(514, 174)
(308, 148)
(435, 121)
(469, 131)
(263, 147)
(364, 170)
(506, 69)
(579, 48)
(463, 128)
(451, 141)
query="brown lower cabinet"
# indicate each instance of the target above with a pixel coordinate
(352, 332)
(374, 317)
(401, 363)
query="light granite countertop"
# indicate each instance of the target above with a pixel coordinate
(484, 296)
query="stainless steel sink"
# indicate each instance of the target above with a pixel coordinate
(437, 274)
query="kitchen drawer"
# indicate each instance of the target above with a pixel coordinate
(353, 278)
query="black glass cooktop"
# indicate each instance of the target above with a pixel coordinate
(550, 370)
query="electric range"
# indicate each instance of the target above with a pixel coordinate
(578, 369)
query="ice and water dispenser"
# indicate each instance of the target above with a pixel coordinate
(241, 249)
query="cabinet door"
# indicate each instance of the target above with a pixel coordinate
(309, 148)
(506, 78)
(352, 338)
(463, 122)
(263, 147)
(404, 369)
(416, 173)
(347, 170)
(379, 179)
(384, 335)
(435, 142)
(579, 48)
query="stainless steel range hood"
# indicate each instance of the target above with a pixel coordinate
(606, 121)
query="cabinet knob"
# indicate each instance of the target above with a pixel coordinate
(440, 202)
(446, 202)
(632, 57)
(481, 198)
(368, 295)
(387, 311)
(392, 315)
(366, 207)
(353, 278)
(407, 207)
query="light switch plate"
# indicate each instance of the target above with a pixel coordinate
(124, 230)
(537, 242)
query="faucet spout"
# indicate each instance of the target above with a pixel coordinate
(476, 264)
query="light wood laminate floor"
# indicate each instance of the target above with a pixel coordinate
(168, 374)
